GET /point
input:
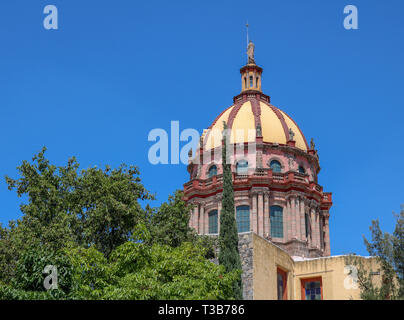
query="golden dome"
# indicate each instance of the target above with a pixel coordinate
(244, 117)
(252, 109)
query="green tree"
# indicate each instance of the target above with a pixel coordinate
(229, 255)
(169, 225)
(29, 277)
(388, 250)
(88, 207)
(161, 272)
(90, 225)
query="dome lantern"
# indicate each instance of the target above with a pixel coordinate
(251, 73)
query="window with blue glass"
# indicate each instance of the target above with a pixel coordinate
(243, 218)
(212, 171)
(275, 166)
(311, 289)
(242, 167)
(276, 222)
(302, 170)
(213, 217)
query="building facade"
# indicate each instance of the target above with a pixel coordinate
(276, 192)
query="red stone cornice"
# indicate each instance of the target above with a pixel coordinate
(286, 182)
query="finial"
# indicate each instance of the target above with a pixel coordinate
(312, 145)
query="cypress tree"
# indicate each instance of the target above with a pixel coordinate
(229, 255)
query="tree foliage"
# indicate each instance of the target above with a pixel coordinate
(169, 225)
(229, 255)
(133, 271)
(91, 226)
(388, 250)
(88, 207)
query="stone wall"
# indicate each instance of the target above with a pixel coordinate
(245, 248)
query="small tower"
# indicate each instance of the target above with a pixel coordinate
(251, 73)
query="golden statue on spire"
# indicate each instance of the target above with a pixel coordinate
(250, 53)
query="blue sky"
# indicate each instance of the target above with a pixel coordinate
(114, 70)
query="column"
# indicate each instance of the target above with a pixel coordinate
(191, 217)
(202, 220)
(219, 209)
(297, 219)
(261, 214)
(318, 229)
(253, 216)
(195, 218)
(302, 219)
(327, 234)
(286, 220)
(292, 217)
(267, 220)
(311, 230)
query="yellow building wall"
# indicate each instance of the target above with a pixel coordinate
(336, 282)
(266, 259)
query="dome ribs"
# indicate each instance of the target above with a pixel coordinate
(233, 113)
(256, 109)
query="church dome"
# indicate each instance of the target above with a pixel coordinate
(245, 116)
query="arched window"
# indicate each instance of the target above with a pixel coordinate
(242, 167)
(256, 83)
(301, 169)
(243, 218)
(251, 81)
(276, 222)
(213, 222)
(275, 166)
(212, 171)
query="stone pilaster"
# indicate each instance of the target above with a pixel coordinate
(260, 214)
(191, 218)
(253, 216)
(195, 217)
(311, 230)
(293, 217)
(287, 220)
(302, 220)
(327, 251)
(219, 209)
(202, 220)
(267, 220)
(317, 229)
(297, 219)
